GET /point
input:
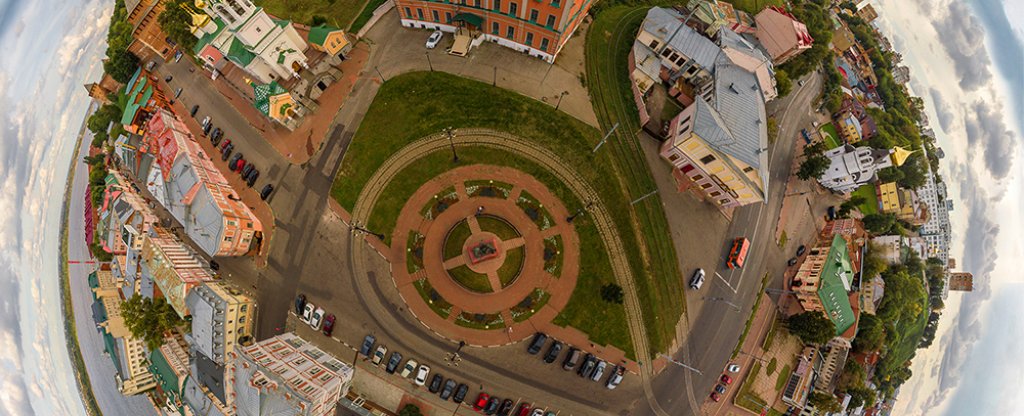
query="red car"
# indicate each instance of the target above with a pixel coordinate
(481, 401)
(524, 410)
(726, 379)
(224, 144)
(328, 324)
(716, 397)
(238, 166)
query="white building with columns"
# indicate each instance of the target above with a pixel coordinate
(268, 49)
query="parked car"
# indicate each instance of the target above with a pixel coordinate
(251, 180)
(831, 212)
(307, 313)
(216, 132)
(571, 359)
(615, 378)
(435, 383)
(524, 409)
(726, 379)
(599, 370)
(697, 280)
(481, 401)
(206, 128)
(410, 366)
(492, 406)
(537, 412)
(168, 78)
(588, 366)
(224, 145)
(537, 343)
(716, 397)
(215, 139)
(421, 375)
(300, 303)
(460, 393)
(367, 345)
(265, 192)
(234, 160)
(205, 122)
(328, 324)
(239, 165)
(449, 388)
(247, 169)
(801, 250)
(177, 92)
(553, 351)
(177, 56)
(195, 109)
(316, 319)
(720, 389)
(226, 153)
(378, 356)
(733, 368)
(506, 407)
(434, 39)
(791, 262)
(393, 362)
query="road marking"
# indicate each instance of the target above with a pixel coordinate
(726, 282)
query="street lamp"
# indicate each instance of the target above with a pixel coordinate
(427, 54)
(578, 212)
(563, 94)
(450, 132)
(356, 227)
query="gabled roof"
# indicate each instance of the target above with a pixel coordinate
(239, 53)
(740, 104)
(262, 94)
(318, 34)
(667, 24)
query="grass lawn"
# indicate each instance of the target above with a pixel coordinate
(754, 6)
(870, 205)
(456, 240)
(471, 280)
(780, 382)
(498, 226)
(365, 15)
(410, 106)
(433, 299)
(750, 319)
(339, 13)
(830, 135)
(746, 398)
(510, 268)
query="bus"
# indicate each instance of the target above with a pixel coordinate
(738, 253)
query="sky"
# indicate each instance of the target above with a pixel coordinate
(965, 59)
(51, 48)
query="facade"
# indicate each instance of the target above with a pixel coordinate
(175, 268)
(903, 203)
(329, 40)
(871, 294)
(268, 49)
(801, 380)
(128, 353)
(222, 318)
(539, 28)
(186, 182)
(834, 355)
(169, 364)
(143, 15)
(285, 375)
(901, 74)
(142, 98)
(961, 281)
(936, 230)
(849, 128)
(824, 280)
(276, 103)
(851, 167)
(781, 34)
(853, 122)
(867, 13)
(686, 58)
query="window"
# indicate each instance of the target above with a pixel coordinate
(529, 39)
(748, 169)
(544, 44)
(555, 3)
(551, 21)
(494, 28)
(533, 15)
(243, 308)
(497, 5)
(666, 52)
(686, 168)
(510, 32)
(697, 177)
(674, 56)
(447, 17)
(673, 158)
(723, 201)
(419, 14)
(707, 159)
(434, 13)
(408, 12)
(680, 61)
(476, 3)
(654, 44)
(706, 185)
(714, 194)
(242, 319)
(513, 9)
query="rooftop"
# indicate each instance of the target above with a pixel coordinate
(668, 24)
(834, 283)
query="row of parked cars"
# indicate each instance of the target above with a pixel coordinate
(446, 389)
(591, 367)
(314, 316)
(490, 405)
(236, 161)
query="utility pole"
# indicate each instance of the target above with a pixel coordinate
(379, 74)
(578, 212)
(605, 138)
(680, 363)
(563, 94)
(450, 132)
(357, 228)
(427, 54)
(643, 197)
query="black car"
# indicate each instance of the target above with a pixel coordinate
(552, 354)
(791, 262)
(449, 388)
(506, 407)
(213, 264)
(537, 343)
(251, 180)
(393, 362)
(832, 213)
(588, 366)
(300, 303)
(720, 389)
(234, 160)
(195, 109)
(206, 130)
(215, 139)
(367, 344)
(217, 132)
(492, 406)
(247, 169)
(460, 393)
(168, 78)
(800, 250)
(226, 153)
(435, 383)
(265, 192)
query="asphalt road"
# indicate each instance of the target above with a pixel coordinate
(99, 366)
(716, 325)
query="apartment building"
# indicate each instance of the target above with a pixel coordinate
(222, 318)
(824, 281)
(127, 352)
(174, 267)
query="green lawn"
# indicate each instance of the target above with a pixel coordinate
(750, 319)
(780, 382)
(410, 106)
(870, 205)
(433, 299)
(498, 226)
(746, 398)
(456, 240)
(754, 6)
(339, 13)
(652, 256)
(831, 135)
(510, 268)
(365, 15)
(471, 280)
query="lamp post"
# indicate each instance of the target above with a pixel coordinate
(427, 54)
(563, 94)
(578, 212)
(450, 132)
(357, 228)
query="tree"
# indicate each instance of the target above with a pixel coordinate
(853, 376)
(861, 396)
(870, 334)
(410, 410)
(825, 403)
(100, 120)
(812, 327)
(318, 20)
(890, 174)
(879, 223)
(176, 23)
(873, 264)
(612, 293)
(782, 83)
(149, 319)
(813, 167)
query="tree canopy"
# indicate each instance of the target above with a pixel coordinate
(826, 403)
(149, 319)
(870, 334)
(120, 64)
(410, 410)
(879, 223)
(177, 24)
(812, 327)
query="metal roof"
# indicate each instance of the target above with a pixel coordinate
(201, 305)
(208, 374)
(740, 104)
(667, 24)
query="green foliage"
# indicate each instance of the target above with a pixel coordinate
(612, 293)
(812, 327)
(99, 254)
(879, 223)
(813, 166)
(100, 120)
(410, 410)
(819, 26)
(870, 334)
(825, 403)
(853, 376)
(890, 174)
(120, 64)
(873, 264)
(783, 83)
(770, 369)
(849, 205)
(176, 22)
(96, 160)
(860, 396)
(914, 172)
(149, 319)
(318, 19)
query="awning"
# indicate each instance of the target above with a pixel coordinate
(469, 18)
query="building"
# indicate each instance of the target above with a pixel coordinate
(127, 352)
(169, 365)
(285, 375)
(781, 34)
(186, 182)
(744, 54)
(903, 203)
(714, 15)
(867, 12)
(936, 230)
(125, 218)
(276, 103)
(144, 16)
(222, 318)
(824, 280)
(871, 294)
(901, 74)
(834, 354)
(686, 58)
(851, 167)
(538, 28)
(329, 40)
(142, 97)
(849, 128)
(175, 268)
(268, 49)
(103, 90)
(850, 114)
(961, 281)
(801, 380)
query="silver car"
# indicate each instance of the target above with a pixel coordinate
(599, 370)
(697, 280)
(434, 39)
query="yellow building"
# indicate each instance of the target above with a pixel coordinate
(329, 40)
(888, 196)
(127, 352)
(222, 318)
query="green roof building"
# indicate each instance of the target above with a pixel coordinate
(823, 282)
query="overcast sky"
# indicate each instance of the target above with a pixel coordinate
(965, 59)
(50, 48)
